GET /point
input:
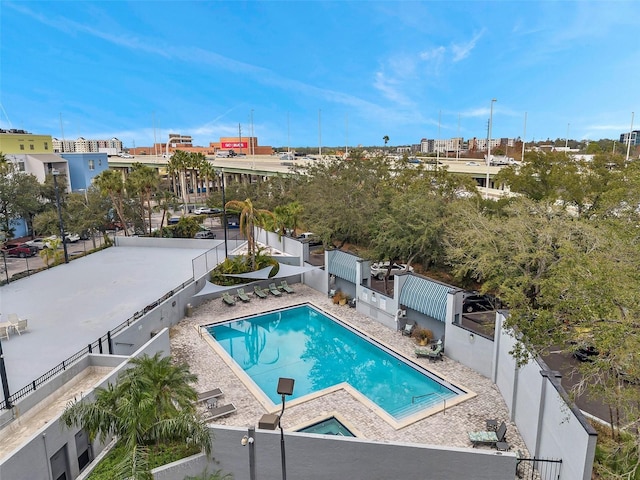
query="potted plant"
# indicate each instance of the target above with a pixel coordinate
(422, 335)
(339, 297)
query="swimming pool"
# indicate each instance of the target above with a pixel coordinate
(320, 352)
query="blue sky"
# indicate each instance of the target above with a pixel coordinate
(346, 72)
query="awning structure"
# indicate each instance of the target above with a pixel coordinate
(343, 265)
(425, 296)
(212, 288)
(262, 274)
(291, 270)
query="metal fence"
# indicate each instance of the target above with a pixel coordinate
(103, 344)
(538, 468)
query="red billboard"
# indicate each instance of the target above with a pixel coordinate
(229, 145)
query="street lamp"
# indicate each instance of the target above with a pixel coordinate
(224, 211)
(55, 174)
(5, 382)
(285, 387)
(489, 147)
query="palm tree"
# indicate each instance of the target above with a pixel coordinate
(151, 403)
(144, 181)
(249, 218)
(386, 140)
(110, 183)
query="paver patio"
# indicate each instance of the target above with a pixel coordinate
(447, 428)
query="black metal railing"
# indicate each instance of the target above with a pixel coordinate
(102, 344)
(538, 468)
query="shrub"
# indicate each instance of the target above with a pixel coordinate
(422, 334)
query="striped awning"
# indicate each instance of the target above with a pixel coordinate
(343, 265)
(425, 296)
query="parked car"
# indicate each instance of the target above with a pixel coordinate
(71, 237)
(202, 211)
(311, 238)
(41, 243)
(173, 221)
(205, 234)
(379, 269)
(475, 302)
(21, 250)
(585, 352)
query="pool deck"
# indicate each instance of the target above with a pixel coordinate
(445, 428)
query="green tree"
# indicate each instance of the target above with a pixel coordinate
(152, 403)
(19, 196)
(250, 217)
(143, 181)
(110, 183)
(385, 139)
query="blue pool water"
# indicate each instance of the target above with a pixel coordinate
(330, 426)
(319, 352)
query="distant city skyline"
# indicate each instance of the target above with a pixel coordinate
(310, 73)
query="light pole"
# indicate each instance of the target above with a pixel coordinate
(224, 212)
(55, 174)
(285, 387)
(489, 147)
(5, 382)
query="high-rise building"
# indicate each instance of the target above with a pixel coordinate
(635, 138)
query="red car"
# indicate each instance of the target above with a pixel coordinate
(21, 250)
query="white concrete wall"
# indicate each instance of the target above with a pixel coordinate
(31, 460)
(321, 457)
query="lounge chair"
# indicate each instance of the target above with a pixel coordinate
(258, 292)
(221, 411)
(274, 290)
(21, 326)
(243, 296)
(4, 332)
(284, 286)
(488, 437)
(430, 351)
(208, 395)
(408, 329)
(226, 298)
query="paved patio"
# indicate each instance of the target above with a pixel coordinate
(447, 428)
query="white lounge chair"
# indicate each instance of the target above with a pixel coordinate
(4, 332)
(21, 326)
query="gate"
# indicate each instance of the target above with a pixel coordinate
(538, 468)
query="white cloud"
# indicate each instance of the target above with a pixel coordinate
(462, 51)
(436, 53)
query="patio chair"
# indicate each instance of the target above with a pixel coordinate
(284, 286)
(218, 412)
(226, 298)
(258, 292)
(4, 332)
(209, 394)
(274, 290)
(21, 326)
(13, 318)
(408, 329)
(488, 437)
(243, 296)
(432, 352)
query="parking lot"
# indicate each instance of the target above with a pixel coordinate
(15, 266)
